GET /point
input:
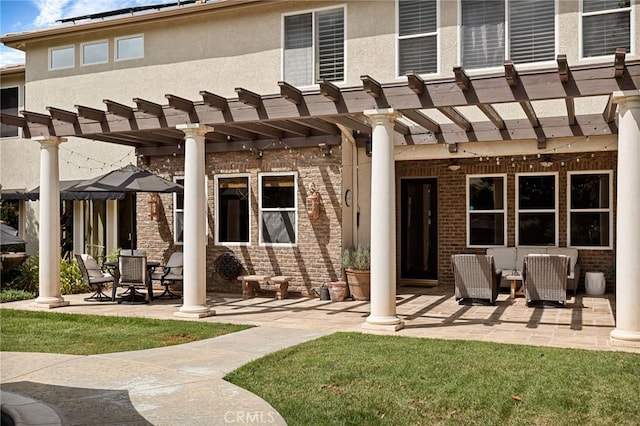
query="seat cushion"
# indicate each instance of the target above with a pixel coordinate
(504, 258)
(93, 269)
(569, 252)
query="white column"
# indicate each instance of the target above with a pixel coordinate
(628, 226)
(194, 287)
(383, 223)
(49, 251)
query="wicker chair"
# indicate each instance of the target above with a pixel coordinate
(545, 278)
(133, 275)
(476, 277)
(169, 274)
(95, 278)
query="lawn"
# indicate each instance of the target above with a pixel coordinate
(27, 331)
(360, 379)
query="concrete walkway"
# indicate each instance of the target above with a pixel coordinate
(175, 385)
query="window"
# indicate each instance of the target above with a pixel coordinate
(536, 204)
(62, 57)
(314, 47)
(9, 98)
(417, 36)
(486, 212)
(590, 219)
(606, 25)
(528, 37)
(232, 209)
(178, 213)
(278, 208)
(129, 47)
(95, 53)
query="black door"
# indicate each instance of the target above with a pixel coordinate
(419, 227)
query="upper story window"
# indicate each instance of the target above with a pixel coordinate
(130, 47)
(590, 201)
(62, 57)
(278, 208)
(94, 53)
(233, 208)
(537, 209)
(314, 47)
(486, 210)
(10, 102)
(417, 36)
(606, 26)
(494, 30)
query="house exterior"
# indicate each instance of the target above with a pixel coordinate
(426, 128)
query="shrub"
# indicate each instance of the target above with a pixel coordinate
(70, 276)
(12, 295)
(357, 258)
(28, 275)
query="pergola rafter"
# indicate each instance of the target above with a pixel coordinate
(295, 115)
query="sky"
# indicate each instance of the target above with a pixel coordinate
(26, 15)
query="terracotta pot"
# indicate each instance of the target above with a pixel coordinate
(338, 291)
(359, 283)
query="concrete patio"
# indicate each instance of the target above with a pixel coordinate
(585, 322)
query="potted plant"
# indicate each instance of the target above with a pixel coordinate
(357, 264)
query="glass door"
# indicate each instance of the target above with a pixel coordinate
(419, 230)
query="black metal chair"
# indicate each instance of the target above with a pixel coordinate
(168, 275)
(95, 278)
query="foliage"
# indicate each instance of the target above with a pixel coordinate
(53, 332)
(12, 295)
(29, 276)
(363, 379)
(113, 256)
(357, 258)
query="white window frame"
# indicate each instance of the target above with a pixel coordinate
(504, 210)
(116, 50)
(91, 43)
(507, 41)
(54, 49)
(314, 78)
(598, 210)
(555, 210)
(294, 209)
(435, 33)
(176, 210)
(216, 179)
(632, 29)
(20, 106)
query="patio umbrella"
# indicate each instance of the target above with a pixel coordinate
(128, 179)
(9, 235)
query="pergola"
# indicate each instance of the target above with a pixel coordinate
(398, 113)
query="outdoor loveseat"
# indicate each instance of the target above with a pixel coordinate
(510, 261)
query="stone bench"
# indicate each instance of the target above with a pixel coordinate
(251, 285)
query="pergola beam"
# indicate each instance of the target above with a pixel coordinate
(422, 120)
(16, 121)
(618, 62)
(214, 101)
(63, 115)
(181, 104)
(291, 93)
(609, 113)
(372, 87)
(248, 97)
(91, 113)
(118, 109)
(289, 127)
(415, 83)
(330, 90)
(260, 129)
(492, 115)
(319, 125)
(453, 115)
(149, 107)
(462, 79)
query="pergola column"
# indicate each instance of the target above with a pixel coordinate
(628, 226)
(49, 233)
(195, 229)
(383, 223)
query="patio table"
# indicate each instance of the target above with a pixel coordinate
(513, 279)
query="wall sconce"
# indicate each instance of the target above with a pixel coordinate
(325, 150)
(368, 146)
(453, 166)
(313, 203)
(154, 206)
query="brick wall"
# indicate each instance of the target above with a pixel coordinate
(314, 260)
(452, 203)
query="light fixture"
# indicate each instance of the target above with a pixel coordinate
(546, 161)
(453, 166)
(154, 206)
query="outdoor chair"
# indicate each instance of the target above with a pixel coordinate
(545, 278)
(168, 275)
(133, 275)
(95, 278)
(476, 277)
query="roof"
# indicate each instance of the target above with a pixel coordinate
(18, 40)
(12, 70)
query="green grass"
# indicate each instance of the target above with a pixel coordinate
(27, 331)
(359, 379)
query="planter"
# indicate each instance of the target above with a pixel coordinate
(338, 291)
(359, 283)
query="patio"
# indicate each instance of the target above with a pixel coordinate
(585, 322)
